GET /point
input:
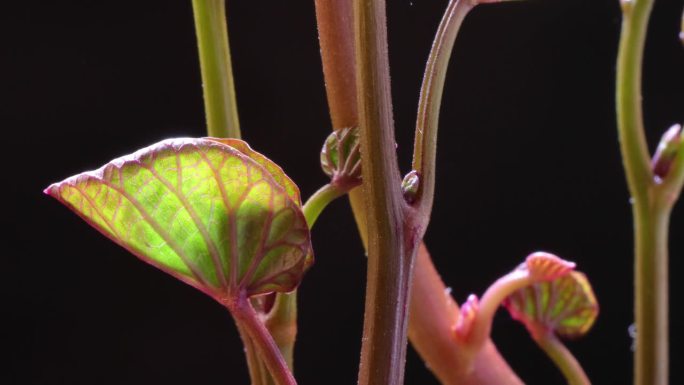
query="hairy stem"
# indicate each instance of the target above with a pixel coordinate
(391, 244)
(249, 321)
(425, 143)
(563, 358)
(434, 314)
(431, 317)
(336, 38)
(217, 72)
(651, 216)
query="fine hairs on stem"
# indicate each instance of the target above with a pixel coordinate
(225, 219)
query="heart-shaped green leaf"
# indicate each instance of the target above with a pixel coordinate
(566, 305)
(215, 214)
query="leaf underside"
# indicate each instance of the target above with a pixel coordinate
(225, 220)
(566, 305)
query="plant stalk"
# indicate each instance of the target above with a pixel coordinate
(563, 358)
(434, 313)
(427, 122)
(249, 321)
(334, 19)
(217, 73)
(651, 295)
(391, 241)
(318, 201)
(220, 108)
(254, 364)
(281, 322)
(651, 204)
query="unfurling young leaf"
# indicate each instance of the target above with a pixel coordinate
(566, 306)
(211, 212)
(341, 156)
(545, 294)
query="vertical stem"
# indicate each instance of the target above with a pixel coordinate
(563, 358)
(253, 362)
(281, 322)
(650, 216)
(433, 311)
(633, 145)
(651, 295)
(336, 37)
(425, 143)
(217, 72)
(390, 254)
(249, 321)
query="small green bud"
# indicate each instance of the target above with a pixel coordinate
(410, 186)
(341, 156)
(666, 151)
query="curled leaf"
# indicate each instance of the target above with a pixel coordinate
(565, 305)
(214, 214)
(544, 266)
(341, 156)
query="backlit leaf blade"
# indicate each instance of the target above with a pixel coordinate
(200, 210)
(566, 305)
(276, 172)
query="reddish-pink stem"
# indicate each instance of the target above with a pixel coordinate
(249, 321)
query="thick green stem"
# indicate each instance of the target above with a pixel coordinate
(652, 203)
(217, 71)
(563, 359)
(633, 144)
(651, 295)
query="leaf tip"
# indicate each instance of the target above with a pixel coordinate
(544, 266)
(51, 190)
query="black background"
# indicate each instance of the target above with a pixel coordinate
(528, 159)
